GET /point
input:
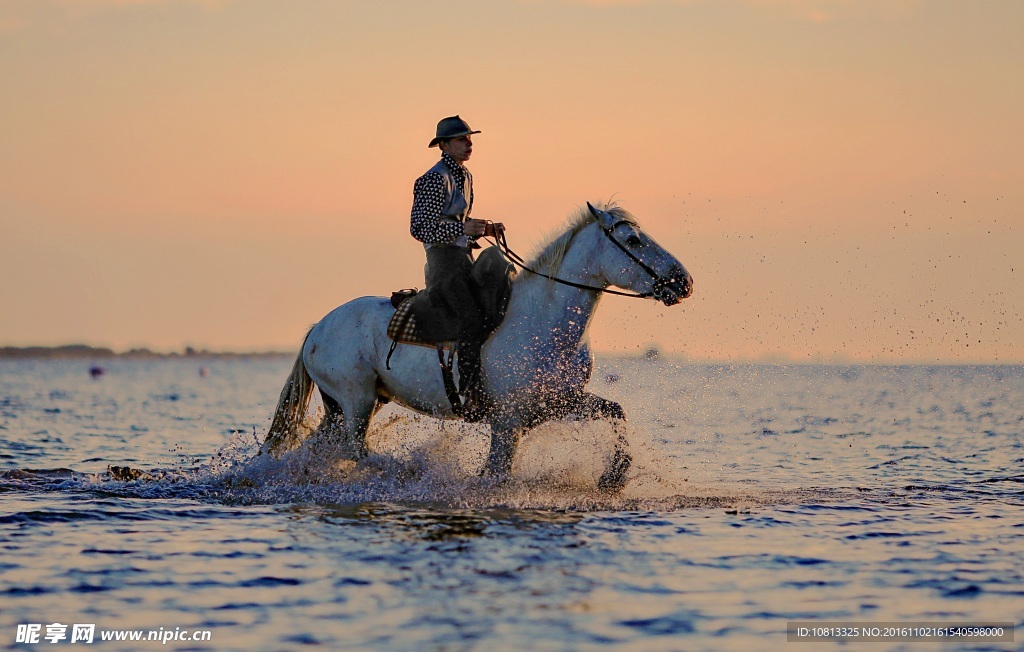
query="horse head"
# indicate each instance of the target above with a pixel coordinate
(634, 261)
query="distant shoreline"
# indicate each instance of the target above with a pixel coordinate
(86, 352)
(83, 351)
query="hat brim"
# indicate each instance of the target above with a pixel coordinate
(437, 141)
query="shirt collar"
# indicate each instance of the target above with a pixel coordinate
(452, 164)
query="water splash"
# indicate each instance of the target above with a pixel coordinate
(420, 460)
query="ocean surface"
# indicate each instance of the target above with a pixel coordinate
(759, 495)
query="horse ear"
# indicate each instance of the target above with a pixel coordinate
(603, 218)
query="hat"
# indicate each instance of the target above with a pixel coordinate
(451, 127)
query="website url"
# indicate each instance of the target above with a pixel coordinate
(163, 635)
(87, 633)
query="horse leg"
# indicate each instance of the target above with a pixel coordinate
(357, 422)
(505, 436)
(614, 476)
(504, 442)
(333, 421)
(592, 406)
(347, 419)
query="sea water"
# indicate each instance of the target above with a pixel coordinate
(760, 495)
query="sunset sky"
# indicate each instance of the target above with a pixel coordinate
(844, 179)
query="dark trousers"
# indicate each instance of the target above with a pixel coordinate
(457, 314)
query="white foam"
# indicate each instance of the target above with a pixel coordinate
(419, 459)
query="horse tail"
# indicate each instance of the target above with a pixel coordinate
(291, 407)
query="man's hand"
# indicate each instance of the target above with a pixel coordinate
(495, 229)
(477, 228)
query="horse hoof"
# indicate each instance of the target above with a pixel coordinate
(611, 410)
(614, 477)
(495, 475)
(617, 413)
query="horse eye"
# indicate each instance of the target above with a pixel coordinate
(633, 240)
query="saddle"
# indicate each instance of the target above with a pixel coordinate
(492, 275)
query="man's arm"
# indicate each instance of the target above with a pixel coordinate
(428, 199)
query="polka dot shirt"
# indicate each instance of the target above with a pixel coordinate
(429, 200)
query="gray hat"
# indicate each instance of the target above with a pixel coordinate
(451, 127)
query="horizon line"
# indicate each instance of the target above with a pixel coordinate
(651, 352)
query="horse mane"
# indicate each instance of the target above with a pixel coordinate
(552, 251)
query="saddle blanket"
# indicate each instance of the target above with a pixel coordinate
(402, 327)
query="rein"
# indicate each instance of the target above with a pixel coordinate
(519, 262)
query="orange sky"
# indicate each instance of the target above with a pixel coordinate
(845, 180)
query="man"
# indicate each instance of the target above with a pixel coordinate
(442, 202)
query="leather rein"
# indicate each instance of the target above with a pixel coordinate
(659, 281)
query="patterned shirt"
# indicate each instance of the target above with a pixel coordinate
(429, 197)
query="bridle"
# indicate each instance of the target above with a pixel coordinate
(660, 282)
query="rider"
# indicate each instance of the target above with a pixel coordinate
(442, 202)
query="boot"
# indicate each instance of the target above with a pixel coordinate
(475, 404)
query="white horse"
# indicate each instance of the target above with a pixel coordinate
(535, 365)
